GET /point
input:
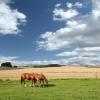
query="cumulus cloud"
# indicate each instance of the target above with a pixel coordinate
(77, 5)
(15, 61)
(83, 56)
(7, 59)
(64, 14)
(80, 31)
(58, 5)
(93, 61)
(69, 5)
(10, 19)
(5, 1)
(62, 37)
(39, 62)
(82, 52)
(61, 14)
(74, 60)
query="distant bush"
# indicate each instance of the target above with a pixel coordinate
(53, 65)
(15, 66)
(6, 64)
(49, 65)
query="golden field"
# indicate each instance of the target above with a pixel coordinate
(54, 72)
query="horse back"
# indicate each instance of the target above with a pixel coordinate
(27, 76)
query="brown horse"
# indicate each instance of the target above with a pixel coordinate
(41, 78)
(35, 77)
(28, 76)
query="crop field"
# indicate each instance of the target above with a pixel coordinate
(58, 89)
(54, 72)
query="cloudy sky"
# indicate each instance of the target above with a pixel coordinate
(50, 31)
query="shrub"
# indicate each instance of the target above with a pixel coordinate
(6, 64)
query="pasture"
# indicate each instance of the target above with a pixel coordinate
(58, 89)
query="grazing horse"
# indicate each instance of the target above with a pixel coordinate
(28, 76)
(41, 78)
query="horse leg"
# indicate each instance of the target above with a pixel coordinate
(43, 83)
(21, 81)
(39, 83)
(24, 83)
(33, 83)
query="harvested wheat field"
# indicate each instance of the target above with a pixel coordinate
(54, 72)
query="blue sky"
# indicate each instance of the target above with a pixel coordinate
(49, 31)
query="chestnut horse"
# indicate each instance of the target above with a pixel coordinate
(35, 77)
(41, 78)
(28, 76)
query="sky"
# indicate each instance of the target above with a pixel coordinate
(35, 32)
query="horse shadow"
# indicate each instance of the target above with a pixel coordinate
(49, 85)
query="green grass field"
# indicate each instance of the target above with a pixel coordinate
(69, 89)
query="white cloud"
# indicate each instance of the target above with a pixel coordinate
(93, 61)
(5, 1)
(15, 61)
(58, 5)
(42, 62)
(75, 5)
(69, 61)
(83, 56)
(7, 59)
(78, 5)
(62, 37)
(74, 60)
(82, 32)
(61, 14)
(69, 5)
(82, 52)
(10, 19)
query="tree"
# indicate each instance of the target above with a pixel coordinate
(6, 64)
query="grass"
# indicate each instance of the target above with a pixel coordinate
(65, 89)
